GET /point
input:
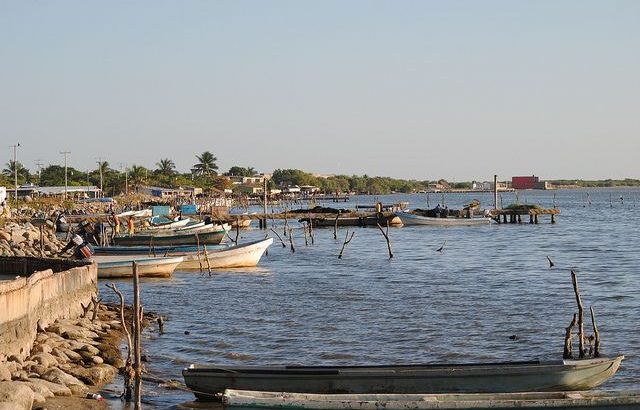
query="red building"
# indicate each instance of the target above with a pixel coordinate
(528, 182)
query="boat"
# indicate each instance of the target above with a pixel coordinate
(171, 224)
(122, 267)
(208, 238)
(408, 218)
(565, 400)
(509, 377)
(197, 228)
(143, 213)
(220, 256)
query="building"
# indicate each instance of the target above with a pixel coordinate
(85, 191)
(528, 182)
(170, 192)
(3, 193)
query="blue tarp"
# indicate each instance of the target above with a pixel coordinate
(190, 209)
(160, 210)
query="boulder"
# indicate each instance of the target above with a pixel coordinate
(96, 375)
(5, 236)
(31, 235)
(17, 236)
(5, 373)
(73, 356)
(58, 376)
(17, 395)
(55, 388)
(45, 359)
(90, 349)
(110, 354)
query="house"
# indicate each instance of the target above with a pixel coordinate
(528, 182)
(170, 192)
(84, 191)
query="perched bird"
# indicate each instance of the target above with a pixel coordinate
(514, 337)
(440, 249)
(551, 264)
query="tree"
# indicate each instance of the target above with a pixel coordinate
(206, 165)
(137, 174)
(165, 167)
(241, 171)
(24, 176)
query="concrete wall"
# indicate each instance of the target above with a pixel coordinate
(48, 289)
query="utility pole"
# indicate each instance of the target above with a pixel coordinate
(15, 171)
(65, 172)
(39, 164)
(100, 169)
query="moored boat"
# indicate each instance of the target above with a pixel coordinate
(122, 266)
(571, 400)
(208, 238)
(219, 256)
(508, 377)
(408, 218)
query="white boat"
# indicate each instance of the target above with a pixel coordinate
(168, 225)
(571, 400)
(143, 213)
(121, 266)
(408, 218)
(238, 256)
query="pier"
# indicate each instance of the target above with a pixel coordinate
(514, 215)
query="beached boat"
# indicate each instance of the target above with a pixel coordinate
(508, 377)
(197, 228)
(202, 238)
(572, 400)
(122, 266)
(219, 256)
(143, 213)
(408, 218)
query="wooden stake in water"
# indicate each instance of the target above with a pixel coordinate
(137, 342)
(574, 280)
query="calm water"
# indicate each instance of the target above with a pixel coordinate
(460, 305)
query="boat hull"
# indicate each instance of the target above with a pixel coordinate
(208, 238)
(548, 400)
(122, 267)
(411, 379)
(412, 219)
(240, 256)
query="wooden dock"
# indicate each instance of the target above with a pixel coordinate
(514, 215)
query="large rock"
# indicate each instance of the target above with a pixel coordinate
(5, 373)
(55, 388)
(39, 388)
(45, 359)
(58, 376)
(17, 395)
(17, 236)
(95, 375)
(5, 236)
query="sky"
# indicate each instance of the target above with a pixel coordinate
(459, 90)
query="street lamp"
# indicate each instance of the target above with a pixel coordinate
(15, 171)
(65, 172)
(100, 169)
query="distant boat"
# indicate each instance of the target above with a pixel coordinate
(122, 266)
(202, 238)
(408, 218)
(558, 375)
(143, 213)
(220, 256)
(602, 400)
(168, 225)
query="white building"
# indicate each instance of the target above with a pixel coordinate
(3, 193)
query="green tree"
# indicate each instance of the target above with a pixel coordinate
(165, 167)
(24, 176)
(137, 175)
(206, 164)
(241, 171)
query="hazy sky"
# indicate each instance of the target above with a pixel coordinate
(411, 89)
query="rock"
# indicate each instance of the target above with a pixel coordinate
(17, 395)
(96, 375)
(45, 359)
(31, 235)
(60, 355)
(17, 236)
(40, 389)
(37, 369)
(12, 366)
(97, 360)
(111, 355)
(5, 236)
(20, 375)
(90, 349)
(58, 376)
(55, 388)
(5, 373)
(73, 356)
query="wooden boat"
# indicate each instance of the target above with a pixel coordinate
(169, 225)
(370, 220)
(571, 400)
(508, 377)
(220, 256)
(143, 213)
(408, 218)
(208, 238)
(200, 229)
(122, 266)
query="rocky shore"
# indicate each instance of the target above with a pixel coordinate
(23, 239)
(69, 358)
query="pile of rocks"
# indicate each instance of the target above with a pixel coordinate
(23, 239)
(66, 359)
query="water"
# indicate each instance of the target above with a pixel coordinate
(422, 306)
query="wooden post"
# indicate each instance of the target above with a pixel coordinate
(198, 251)
(495, 191)
(568, 349)
(206, 257)
(531, 218)
(281, 241)
(553, 218)
(265, 204)
(335, 226)
(519, 219)
(535, 218)
(128, 368)
(304, 229)
(386, 236)
(138, 337)
(574, 280)
(596, 349)
(293, 249)
(346, 241)
(41, 240)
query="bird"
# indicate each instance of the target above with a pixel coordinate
(551, 264)
(514, 337)
(440, 249)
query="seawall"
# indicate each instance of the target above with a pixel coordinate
(47, 289)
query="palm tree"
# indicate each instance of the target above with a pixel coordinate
(23, 173)
(207, 164)
(137, 174)
(165, 167)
